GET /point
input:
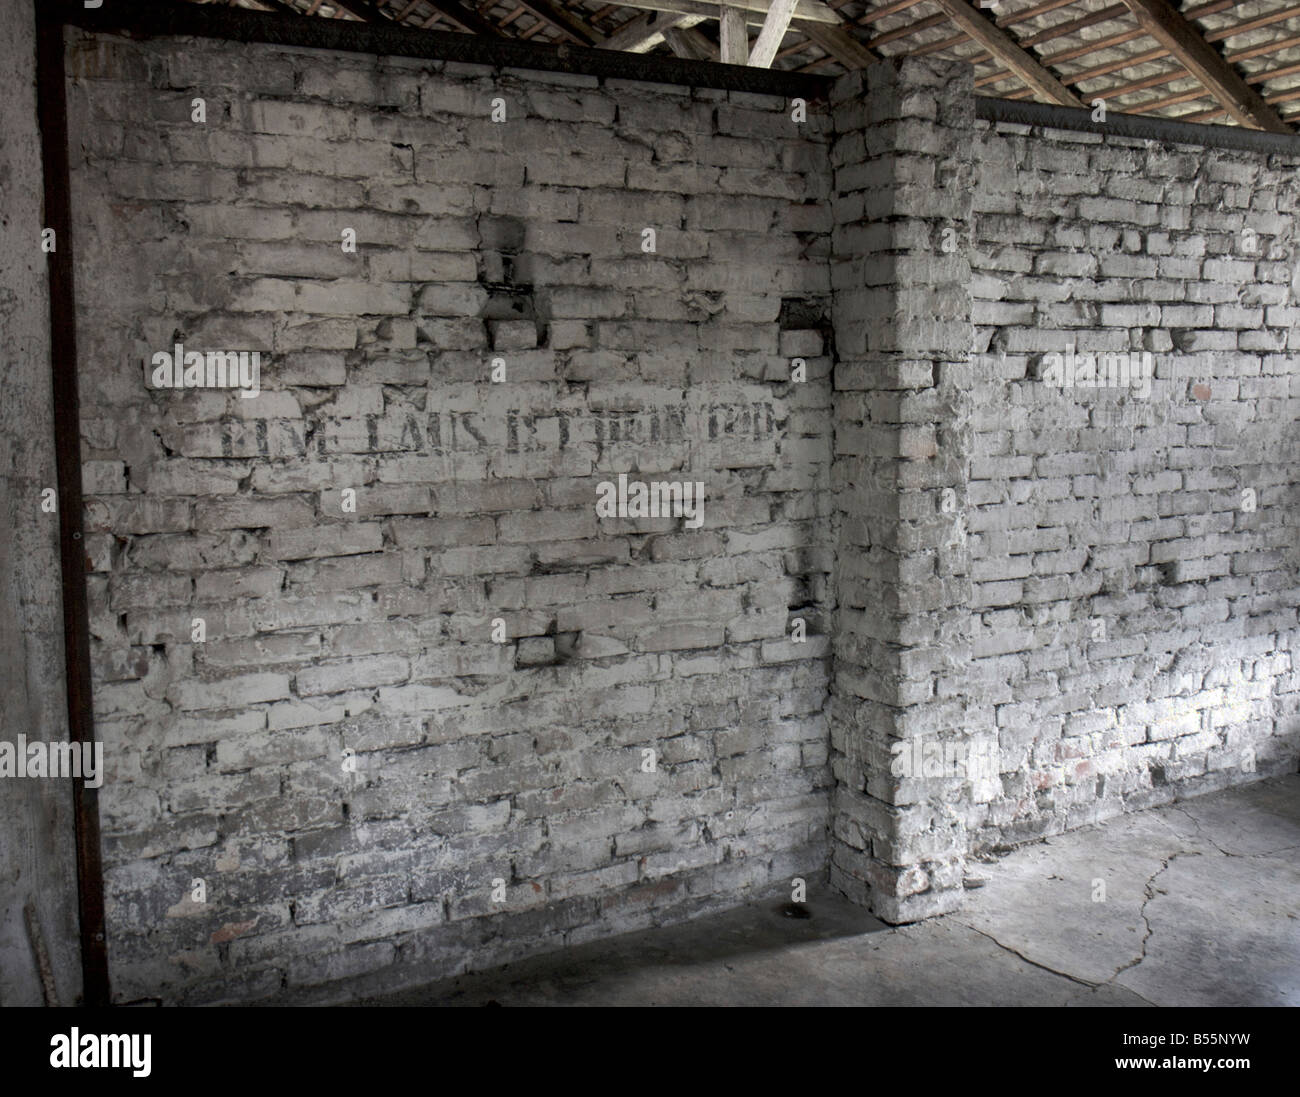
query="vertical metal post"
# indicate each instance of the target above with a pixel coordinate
(52, 111)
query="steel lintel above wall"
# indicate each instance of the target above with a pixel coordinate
(1141, 126)
(390, 39)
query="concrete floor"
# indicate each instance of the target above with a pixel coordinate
(1202, 907)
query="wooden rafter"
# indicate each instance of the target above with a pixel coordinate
(770, 36)
(840, 44)
(1114, 11)
(1198, 57)
(733, 36)
(645, 31)
(999, 43)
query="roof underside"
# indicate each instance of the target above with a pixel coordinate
(1234, 62)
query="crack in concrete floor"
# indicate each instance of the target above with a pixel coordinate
(1164, 904)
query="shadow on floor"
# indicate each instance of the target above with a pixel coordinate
(560, 977)
(1193, 904)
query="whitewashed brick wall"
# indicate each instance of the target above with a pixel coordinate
(371, 631)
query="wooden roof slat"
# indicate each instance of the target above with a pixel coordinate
(1060, 30)
(868, 17)
(1250, 24)
(944, 44)
(1282, 97)
(1078, 51)
(1141, 85)
(1026, 14)
(1262, 49)
(1270, 74)
(903, 32)
(1172, 100)
(564, 21)
(539, 25)
(1114, 66)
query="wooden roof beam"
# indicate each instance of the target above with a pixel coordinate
(646, 31)
(1003, 47)
(733, 36)
(1200, 59)
(770, 36)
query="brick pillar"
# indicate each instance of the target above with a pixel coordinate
(902, 158)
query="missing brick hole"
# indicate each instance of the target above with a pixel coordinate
(804, 314)
(507, 301)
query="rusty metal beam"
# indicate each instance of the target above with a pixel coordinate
(52, 112)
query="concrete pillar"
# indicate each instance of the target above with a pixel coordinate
(902, 158)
